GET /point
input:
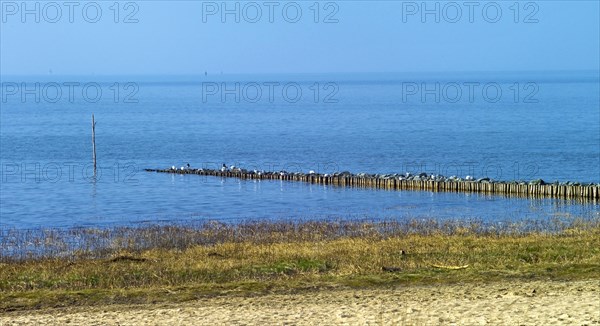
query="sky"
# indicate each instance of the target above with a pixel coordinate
(193, 37)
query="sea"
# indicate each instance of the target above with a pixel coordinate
(505, 126)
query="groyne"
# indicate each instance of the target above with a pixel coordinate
(423, 182)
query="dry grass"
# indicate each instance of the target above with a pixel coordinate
(263, 257)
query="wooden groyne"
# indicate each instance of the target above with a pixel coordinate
(421, 182)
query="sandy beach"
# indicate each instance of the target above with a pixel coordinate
(506, 303)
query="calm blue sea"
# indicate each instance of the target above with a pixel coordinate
(518, 126)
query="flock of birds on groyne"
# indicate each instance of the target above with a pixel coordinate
(406, 181)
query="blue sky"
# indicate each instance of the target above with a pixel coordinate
(185, 37)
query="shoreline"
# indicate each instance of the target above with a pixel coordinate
(480, 303)
(103, 242)
(177, 265)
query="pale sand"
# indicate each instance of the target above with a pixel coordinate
(508, 303)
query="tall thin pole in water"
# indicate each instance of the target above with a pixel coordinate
(94, 142)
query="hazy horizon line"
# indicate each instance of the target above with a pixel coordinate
(557, 71)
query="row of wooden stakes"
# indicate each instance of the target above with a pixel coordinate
(352, 180)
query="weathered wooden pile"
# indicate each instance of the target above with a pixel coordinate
(424, 182)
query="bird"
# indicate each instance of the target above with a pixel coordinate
(173, 167)
(311, 172)
(223, 168)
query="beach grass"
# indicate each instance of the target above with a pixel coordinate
(180, 263)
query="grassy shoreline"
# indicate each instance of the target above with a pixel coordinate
(270, 257)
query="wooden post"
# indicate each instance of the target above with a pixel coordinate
(94, 142)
